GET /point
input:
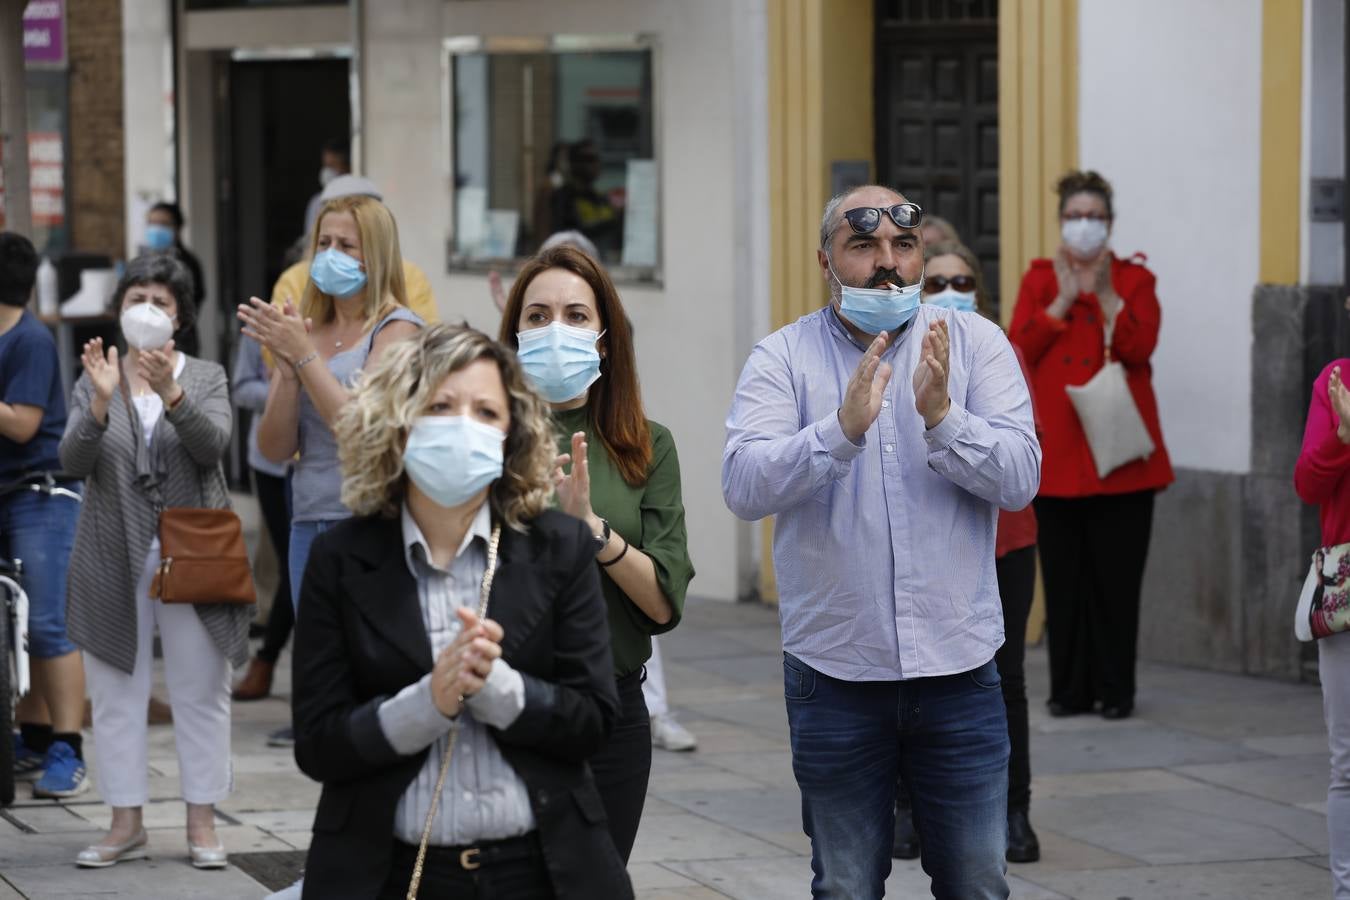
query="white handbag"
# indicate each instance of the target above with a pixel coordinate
(1115, 431)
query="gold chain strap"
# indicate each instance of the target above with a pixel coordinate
(484, 592)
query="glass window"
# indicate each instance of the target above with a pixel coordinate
(553, 135)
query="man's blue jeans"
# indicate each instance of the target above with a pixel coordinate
(947, 737)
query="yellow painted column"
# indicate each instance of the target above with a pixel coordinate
(1038, 142)
(1281, 135)
(820, 109)
(1038, 130)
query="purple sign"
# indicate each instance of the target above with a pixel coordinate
(44, 33)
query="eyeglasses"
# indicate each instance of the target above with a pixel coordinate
(866, 219)
(935, 284)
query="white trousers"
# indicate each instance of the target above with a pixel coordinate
(198, 677)
(654, 688)
(1334, 667)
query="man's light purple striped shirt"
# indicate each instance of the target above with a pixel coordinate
(884, 552)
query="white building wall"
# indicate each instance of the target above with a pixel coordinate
(1176, 131)
(690, 347)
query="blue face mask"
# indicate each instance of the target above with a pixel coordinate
(452, 458)
(950, 298)
(158, 237)
(560, 360)
(336, 274)
(874, 310)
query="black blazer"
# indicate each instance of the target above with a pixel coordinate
(360, 639)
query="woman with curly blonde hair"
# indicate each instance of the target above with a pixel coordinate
(447, 460)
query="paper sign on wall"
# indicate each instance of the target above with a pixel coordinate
(639, 219)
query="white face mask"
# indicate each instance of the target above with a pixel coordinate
(327, 174)
(1085, 237)
(146, 326)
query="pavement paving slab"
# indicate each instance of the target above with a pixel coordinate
(1215, 789)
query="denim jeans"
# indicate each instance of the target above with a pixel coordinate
(302, 538)
(946, 736)
(40, 531)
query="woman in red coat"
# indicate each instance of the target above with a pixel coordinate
(1094, 531)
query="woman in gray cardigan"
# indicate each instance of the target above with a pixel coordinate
(147, 430)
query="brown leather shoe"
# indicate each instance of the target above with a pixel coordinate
(158, 712)
(257, 681)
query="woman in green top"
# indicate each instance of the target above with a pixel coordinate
(565, 321)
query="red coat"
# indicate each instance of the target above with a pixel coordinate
(1017, 528)
(1069, 352)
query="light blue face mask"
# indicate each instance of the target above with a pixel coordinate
(158, 237)
(336, 274)
(874, 310)
(950, 298)
(452, 458)
(560, 360)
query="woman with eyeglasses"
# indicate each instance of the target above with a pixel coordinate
(1074, 314)
(566, 322)
(953, 280)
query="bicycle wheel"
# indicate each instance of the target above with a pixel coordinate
(7, 699)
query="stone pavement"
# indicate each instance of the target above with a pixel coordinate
(1215, 789)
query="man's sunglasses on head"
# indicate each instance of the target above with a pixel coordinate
(866, 219)
(935, 284)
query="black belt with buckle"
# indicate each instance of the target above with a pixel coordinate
(483, 853)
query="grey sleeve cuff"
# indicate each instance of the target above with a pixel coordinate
(501, 699)
(410, 720)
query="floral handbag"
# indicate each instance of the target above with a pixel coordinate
(1324, 605)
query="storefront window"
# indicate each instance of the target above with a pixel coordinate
(553, 135)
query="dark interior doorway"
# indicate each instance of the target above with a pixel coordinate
(278, 116)
(272, 119)
(937, 114)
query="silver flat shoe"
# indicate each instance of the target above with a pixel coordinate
(101, 856)
(208, 857)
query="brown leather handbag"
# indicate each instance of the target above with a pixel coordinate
(202, 558)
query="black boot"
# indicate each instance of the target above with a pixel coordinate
(906, 844)
(1023, 847)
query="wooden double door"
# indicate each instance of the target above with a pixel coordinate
(937, 114)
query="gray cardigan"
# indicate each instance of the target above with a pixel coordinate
(123, 482)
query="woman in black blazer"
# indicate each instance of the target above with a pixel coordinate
(447, 456)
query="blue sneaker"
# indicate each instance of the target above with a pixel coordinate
(27, 762)
(64, 776)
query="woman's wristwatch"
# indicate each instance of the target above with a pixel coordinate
(602, 539)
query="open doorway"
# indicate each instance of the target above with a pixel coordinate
(278, 114)
(272, 120)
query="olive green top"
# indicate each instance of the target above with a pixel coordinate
(650, 518)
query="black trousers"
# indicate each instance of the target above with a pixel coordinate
(1093, 551)
(623, 767)
(275, 504)
(1016, 587)
(443, 878)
